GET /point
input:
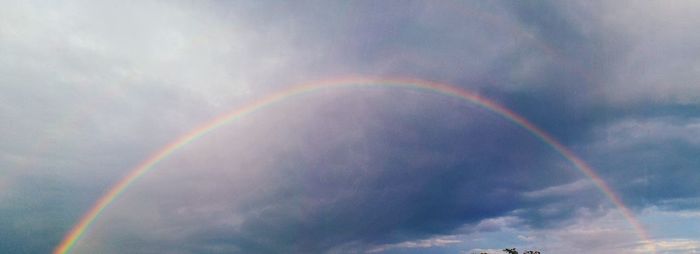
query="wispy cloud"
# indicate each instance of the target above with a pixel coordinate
(424, 243)
(560, 190)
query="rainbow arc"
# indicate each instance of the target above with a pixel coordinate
(146, 166)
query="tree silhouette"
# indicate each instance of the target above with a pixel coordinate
(511, 251)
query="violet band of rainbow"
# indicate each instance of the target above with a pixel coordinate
(145, 166)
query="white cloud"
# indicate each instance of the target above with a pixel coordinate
(608, 233)
(589, 232)
(498, 223)
(631, 132)
(604, 232)
(560, 190)
(658, 57)
(438, 241)
(82, 78)
(675, 246)
(479, 251)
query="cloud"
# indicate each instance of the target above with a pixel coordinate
(656, 155)
(676, 246)
(498, 223)
(426, 243)
(657, 58)
(592, 231)
(601, 231)
(474, 251)
(560, 190)
(91, 89)
(336, 171)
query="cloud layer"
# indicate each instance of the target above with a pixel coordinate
(91, 89)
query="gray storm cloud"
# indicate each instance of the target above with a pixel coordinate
(90, 89)
(331, 169)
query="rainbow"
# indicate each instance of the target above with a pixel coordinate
(146, 166)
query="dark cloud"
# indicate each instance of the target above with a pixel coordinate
(650, 160)
(363, 166)
(90, 89)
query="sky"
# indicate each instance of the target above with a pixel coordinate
(91, 89)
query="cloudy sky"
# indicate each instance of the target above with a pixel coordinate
(90, 89)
